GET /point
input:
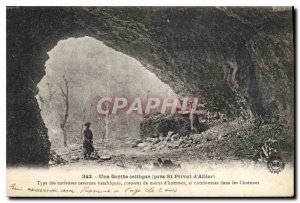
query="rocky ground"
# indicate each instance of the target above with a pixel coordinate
(226, 141)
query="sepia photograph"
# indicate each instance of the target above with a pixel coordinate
(150, 101)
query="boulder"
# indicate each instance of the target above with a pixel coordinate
(164, 125)
(105, 157)
(150, 139)
(173, 145)
(161, 138)
(180, 141)
(146, 149)
(75, 158)
(170, 133)
(156, 141)
(94, 155)
(208, 139)
(139, 141)
(143, 144)
(175, 137)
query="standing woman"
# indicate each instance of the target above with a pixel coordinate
(88, 147)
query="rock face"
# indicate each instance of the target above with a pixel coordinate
(161, 125)
(238, 59)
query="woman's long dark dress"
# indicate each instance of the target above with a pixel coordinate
(88, 142)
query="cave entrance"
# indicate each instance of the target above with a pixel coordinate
(80, 70)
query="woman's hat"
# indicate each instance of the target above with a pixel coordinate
(87, 123)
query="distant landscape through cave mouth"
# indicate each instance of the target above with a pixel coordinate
(89, 69)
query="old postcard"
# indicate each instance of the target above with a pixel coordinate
(150, 102)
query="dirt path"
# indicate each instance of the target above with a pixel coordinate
(222, 143)
(122, 155)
